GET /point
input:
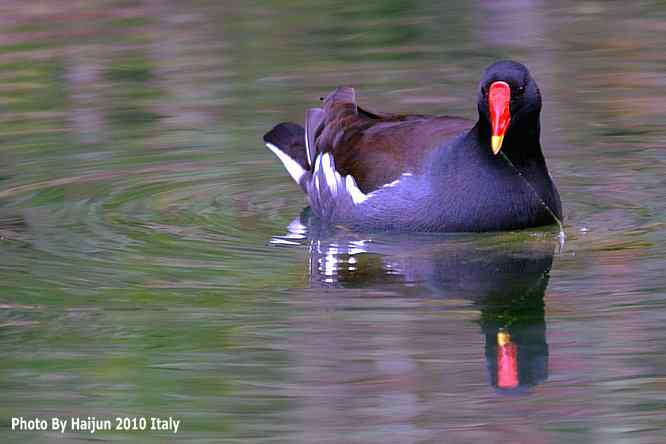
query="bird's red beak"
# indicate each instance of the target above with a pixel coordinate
(499, 98)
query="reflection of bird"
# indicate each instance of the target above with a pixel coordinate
(424, 173)
(506, 279)
(515, 329)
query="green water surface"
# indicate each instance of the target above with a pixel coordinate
(155, 262)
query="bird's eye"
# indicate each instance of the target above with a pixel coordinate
(520, 90)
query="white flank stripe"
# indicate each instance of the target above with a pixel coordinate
(294, 169)
(397, 181)
(391, 184)
(324, 166)
(317, 164)
(307, 144)
(356, 194)
(329, 172)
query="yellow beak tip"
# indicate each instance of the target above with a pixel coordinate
(496, 143)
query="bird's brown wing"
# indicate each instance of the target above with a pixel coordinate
(376, 148)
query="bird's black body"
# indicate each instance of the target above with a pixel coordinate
(424, 173)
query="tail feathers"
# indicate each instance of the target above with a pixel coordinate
(287, 142)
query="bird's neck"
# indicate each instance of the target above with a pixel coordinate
(523, 150)
(522, 141)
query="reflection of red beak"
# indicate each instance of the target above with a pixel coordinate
(499, 99)
(507, 361)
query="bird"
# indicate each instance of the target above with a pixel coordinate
(372, 171)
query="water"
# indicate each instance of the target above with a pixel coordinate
(156, 263)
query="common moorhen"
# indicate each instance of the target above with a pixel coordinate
(376, 171)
